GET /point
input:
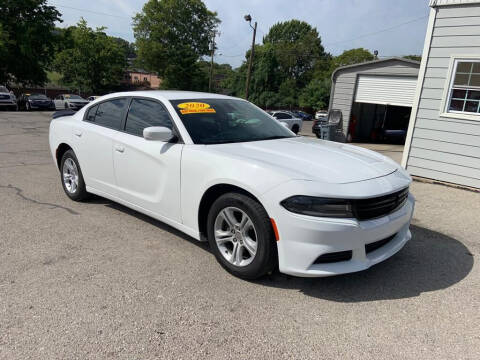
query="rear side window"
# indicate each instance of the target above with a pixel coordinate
(282, 116)
(145, 113)
(109, 113)
(91, 113)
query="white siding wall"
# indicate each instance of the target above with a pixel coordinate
(345, 80)
(447, 149)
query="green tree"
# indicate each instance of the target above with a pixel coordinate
(316, 94)
(96, 62)
(28, 26)
(171, 36)
(298, 48)
(353, 56)
(413, 57)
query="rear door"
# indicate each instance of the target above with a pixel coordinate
(94, 140)
(148, 172)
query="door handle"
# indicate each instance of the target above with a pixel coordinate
(119, 148)
(78, 133)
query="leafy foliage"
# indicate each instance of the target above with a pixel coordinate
(27, 42)
(171, 36)
(414, 57)
(316, 94)
(353, 56)
(95, 63)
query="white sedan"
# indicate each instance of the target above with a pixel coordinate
(220, 169)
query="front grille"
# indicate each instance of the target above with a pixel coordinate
(365, 209)
(378, 244)
(5, 97)
(334, 257)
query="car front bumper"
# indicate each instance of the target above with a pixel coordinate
(307, 238)
(7, 103)
(304, 240)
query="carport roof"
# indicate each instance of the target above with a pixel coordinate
(417, 63)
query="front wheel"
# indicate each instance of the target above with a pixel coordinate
(72, 177)
(241, 236)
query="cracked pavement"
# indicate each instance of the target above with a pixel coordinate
(96, 280)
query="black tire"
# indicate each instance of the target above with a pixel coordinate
(295, 129)
(80, 194)
(265, 259)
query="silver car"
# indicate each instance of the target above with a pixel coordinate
(293, 123)
(8, 100)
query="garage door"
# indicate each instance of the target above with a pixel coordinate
(386, 90)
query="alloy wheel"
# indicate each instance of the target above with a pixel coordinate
(235, 236)
(70, 175)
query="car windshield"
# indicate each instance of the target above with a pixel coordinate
(38, 97)
(3, 89)
(219, 121)
(73, 97)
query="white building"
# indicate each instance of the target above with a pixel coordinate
(443, 138)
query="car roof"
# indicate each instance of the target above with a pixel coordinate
(171, 95)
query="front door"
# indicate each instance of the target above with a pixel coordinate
(148, 172)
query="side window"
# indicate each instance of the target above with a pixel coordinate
(282, 116)
(109, 113)
(91, 113)
(145, 113)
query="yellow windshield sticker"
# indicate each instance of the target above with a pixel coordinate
(195, 108)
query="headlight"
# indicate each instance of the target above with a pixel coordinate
(315, 206)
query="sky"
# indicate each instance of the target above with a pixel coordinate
(393, 27)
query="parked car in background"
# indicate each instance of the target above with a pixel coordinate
(69, 101)
(8, 101)
(302, 115)
(320, 114)
(35, 102)
(220, 169)
(91, 98)
(293, 122)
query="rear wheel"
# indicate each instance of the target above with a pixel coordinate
(295, 129)
(241, 236)
(72, 178)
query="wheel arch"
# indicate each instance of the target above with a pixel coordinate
(209, 197)
(61, 149)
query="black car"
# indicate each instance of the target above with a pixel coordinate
(35, 102)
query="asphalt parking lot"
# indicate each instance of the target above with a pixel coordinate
(97, 280)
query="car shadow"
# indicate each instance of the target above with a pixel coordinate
(430, 261)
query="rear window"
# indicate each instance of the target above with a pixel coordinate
(108, 113)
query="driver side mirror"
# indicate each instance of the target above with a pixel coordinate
(158, 133)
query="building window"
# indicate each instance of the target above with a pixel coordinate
(464, 92)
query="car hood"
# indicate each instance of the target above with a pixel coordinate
(311, 159)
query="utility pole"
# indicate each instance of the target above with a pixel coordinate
(252, 53)
(212, 49)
